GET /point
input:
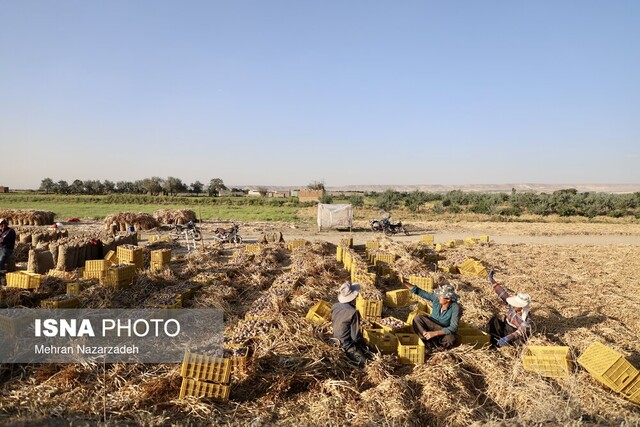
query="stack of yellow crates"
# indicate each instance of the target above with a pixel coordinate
(205, 376)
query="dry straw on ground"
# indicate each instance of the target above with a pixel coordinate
(581, 294)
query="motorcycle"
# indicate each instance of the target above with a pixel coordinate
(390, 228)
(228, 236)
(386, 226)
(375, 225)
(189, 230)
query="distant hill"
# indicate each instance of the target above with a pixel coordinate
(483, 188)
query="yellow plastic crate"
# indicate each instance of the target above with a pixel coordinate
(484, 239)
(238, 356)
(346, 259)
(206, 368)
(548, 361)
(158, 266)
(219, 392)
(320, 313)
(96, 274)
(65, 303)
(632, 391)
(383, 341)
(424, 283)
(424, 305)
(371, 245)
(413, 315)
(442, 266)
(119, 276)
(17, 280)
(471, 267)
(608, 366)
(23, 280)
(112, 257)
(369, 309)
(369, 255)
(298, 243)
(131, 254)
(162, 256)
(469, 334)
(410, 349)
(96, 265)
(470, 241)
(35, 280)
(76, 287)
(253, 248)
(384, 257)
(358, 264)
(439, 246)
(339, 253)
(398, 298)
(65, 275)
(427, 239)
(154, 238)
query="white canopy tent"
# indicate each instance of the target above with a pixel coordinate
(332, 216)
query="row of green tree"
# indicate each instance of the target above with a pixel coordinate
(567, 202)
(153, 186)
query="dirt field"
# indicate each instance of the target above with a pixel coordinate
(505, 233)
(583, 279)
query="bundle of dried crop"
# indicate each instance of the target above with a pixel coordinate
(174, 216)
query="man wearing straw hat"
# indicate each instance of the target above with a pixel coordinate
(7, 242)
(516, 325)
(346, 323)
(439, 328)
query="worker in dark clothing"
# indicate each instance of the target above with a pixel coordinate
(7, 242)
(346, 324)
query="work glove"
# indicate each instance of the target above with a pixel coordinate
(491, 273)
(502, 341)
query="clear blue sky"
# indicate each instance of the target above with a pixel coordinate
(349, 92)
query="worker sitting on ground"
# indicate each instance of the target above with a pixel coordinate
(346, 324)
(516, 326)
(438, 329)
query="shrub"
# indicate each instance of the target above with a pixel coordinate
(356, 200)
(511, 211)
(454, 208)
(387, 200)
(326, 198)
(438, 208)
(618, 213)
